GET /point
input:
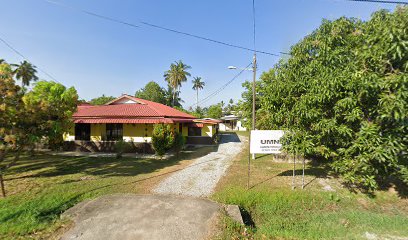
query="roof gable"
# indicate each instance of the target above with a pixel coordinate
(124, 99)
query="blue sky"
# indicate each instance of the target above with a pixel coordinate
(101, 57)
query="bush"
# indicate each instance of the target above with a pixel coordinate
(162, 138)
(179, 142)
(342, 96)
(120, 148)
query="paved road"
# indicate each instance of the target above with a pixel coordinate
(200, 178)
(129, 217)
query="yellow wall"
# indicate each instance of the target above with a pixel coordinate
(98, 131)
(136, 132)
(206, 131)
(185, 130)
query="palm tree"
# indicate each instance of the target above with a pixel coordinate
(176, 75)
(25, 72)
(197, 85)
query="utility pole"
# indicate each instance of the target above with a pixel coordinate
(253, 91)
(253, 115)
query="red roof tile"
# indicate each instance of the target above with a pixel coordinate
(141, 109)
(123, 120)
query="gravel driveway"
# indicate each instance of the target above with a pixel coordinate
(200, 178)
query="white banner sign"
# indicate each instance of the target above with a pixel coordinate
(266, 141)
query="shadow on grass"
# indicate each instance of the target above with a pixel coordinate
(50, 166)
(315, 170)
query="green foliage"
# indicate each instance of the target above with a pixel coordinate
(26, 72)
(101, 100)
(120, 147)
(197, 85)
(152, 92)
(245, 105)
(162, 138)
(179, 142)
(343, 97)
(215, 111)
(175, 76)
(50, 106)
(172, 97)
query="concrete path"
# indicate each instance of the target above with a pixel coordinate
(142, 217)
(200, 178)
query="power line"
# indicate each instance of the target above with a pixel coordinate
(253, 14)
(92, 14)
(162, 28)
(221, 88)
(21, 55)
(380, 1)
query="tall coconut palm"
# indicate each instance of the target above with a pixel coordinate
(25, 72)
(197, 85)
(176, 75)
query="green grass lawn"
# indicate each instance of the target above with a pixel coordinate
(40, 188)
(272, 210)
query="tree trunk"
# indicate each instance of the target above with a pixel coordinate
(3, 170)
(174, 95)
(197, 99)
(3, 190)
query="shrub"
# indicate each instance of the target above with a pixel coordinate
(120, 148)
(179, 142)
(162, 138)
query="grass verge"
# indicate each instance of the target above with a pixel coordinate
(323, 210)
(42, 187)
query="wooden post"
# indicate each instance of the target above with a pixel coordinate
(303, 174)
(294, 168)
(249, 161)
(3, 190)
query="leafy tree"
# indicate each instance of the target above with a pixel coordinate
(197, 85)
(175, 76)
(51, 106)
(101, 100)
(11, 115)
(214, 111)
(162, 138)
(25, 72)
(172, 98)
(25, 118)
(152, 92)
(342, 96)
(245, 105)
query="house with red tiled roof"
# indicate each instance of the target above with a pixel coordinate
(132, 120)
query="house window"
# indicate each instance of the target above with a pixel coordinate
(194, 131)
(180, 128)
(83, 131)
(114, 131)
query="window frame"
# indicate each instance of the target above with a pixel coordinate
(114, 131)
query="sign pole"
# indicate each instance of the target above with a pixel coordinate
(294, 167)
(249, 161)
(303, 174)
